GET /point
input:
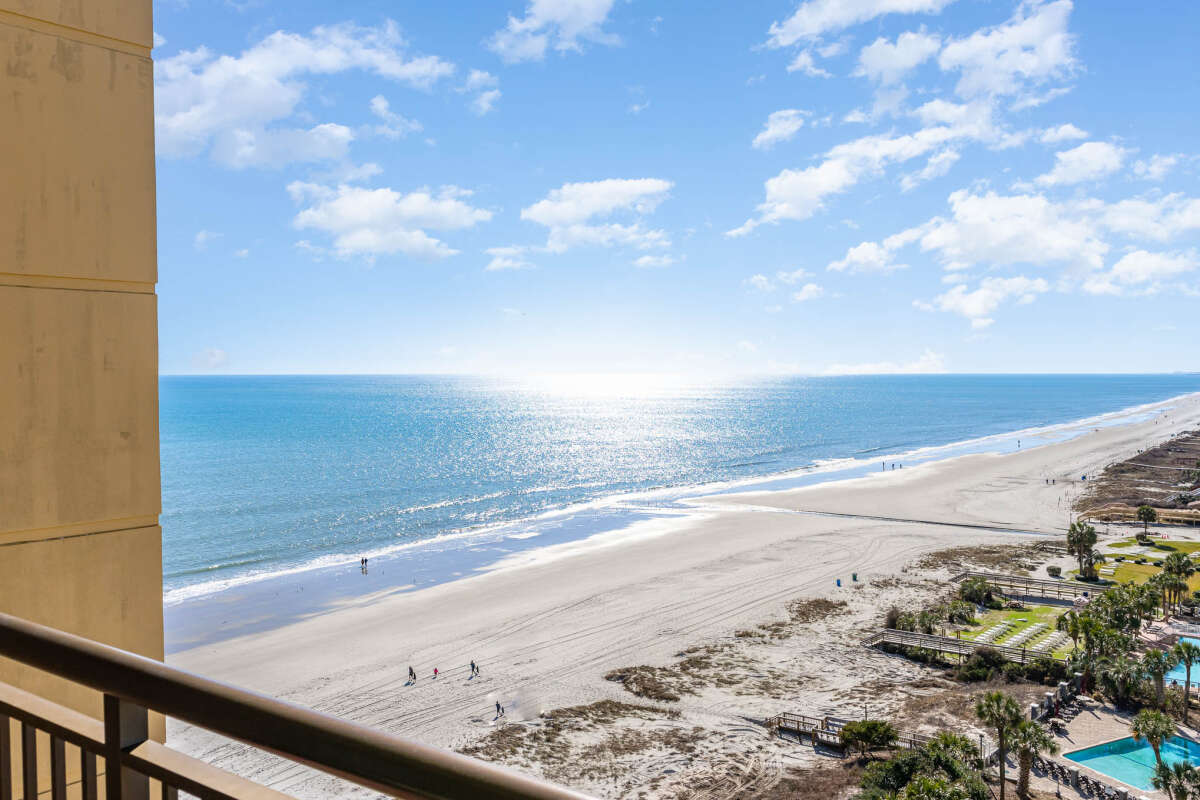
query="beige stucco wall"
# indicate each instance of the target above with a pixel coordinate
(80, 546)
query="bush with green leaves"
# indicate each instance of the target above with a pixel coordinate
(982, 665)
(947, 768)
(976, 590)
(868, 735)
(1054, 571)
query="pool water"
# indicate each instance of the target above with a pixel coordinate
(1131, 761)
(1177, 675)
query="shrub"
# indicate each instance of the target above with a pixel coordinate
(1053, 571)
(982, 665)
(975, 590)
(960, 611)
(867, 735)
(1013, 672)
(892, 618)
(1046, 670)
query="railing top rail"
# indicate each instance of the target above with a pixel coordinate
(354, 752)
(951, 644)
(1062, 587)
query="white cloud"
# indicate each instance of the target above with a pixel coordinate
(1087, 162)
(243, 253)
(485, 101)
(1002, 230)
(229, 103)
(1139, 268)
(746, 346)
(887, 62)
(937, 166)
(929, 362)
(809, 291)
(1030, 49)
(507, 258)
(760, 282)
(797, 194)
(1063, 133)
(803, 62)
(485, 86)
(781, 126)
(158, 40)
(560, 24)
(202, 238)
(994, 231)
(1156, 168)
(814, 18)
(873, 257)
(795, 276)
(573, 214)
(648, 262)
(1159, 219)
(576, 202)
(978, 305)
(372, 222)
(210, 358)
(1033, 99)
(394, 126)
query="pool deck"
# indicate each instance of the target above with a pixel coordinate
(1095, 725)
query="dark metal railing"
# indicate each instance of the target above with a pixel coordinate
(137, 768)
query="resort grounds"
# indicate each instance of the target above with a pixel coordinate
(645, 664)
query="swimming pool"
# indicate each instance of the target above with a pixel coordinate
(1131, 761)
(1177, 674)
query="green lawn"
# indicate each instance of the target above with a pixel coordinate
(1031, 615)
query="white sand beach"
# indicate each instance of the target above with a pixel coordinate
(546, 629)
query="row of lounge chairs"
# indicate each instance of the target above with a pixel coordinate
(1032, 632)
(1052, 642)
(1085, 783)
(994, 632)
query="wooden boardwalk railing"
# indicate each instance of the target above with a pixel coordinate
(1034, 587)
(953, 646)
(827, 730)
(118, 751)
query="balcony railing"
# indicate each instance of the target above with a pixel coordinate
(115, 758)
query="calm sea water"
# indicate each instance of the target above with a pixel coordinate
(264, 475)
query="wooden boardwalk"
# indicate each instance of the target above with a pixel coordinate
(953, 646)
(827, 730)
(1034, 587)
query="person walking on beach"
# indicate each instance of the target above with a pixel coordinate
(412, 675)
(499, 709)
(435, 673)
(474, 669)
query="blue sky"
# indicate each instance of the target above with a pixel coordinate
(623, 185)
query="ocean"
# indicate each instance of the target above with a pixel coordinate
(277, 476)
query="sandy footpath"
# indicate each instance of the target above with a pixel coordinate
(546, 630)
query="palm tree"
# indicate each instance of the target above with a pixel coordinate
(1177, 587)
(1119, 676)
(1002, 714)
(1090, 559)
(1156, 664)
(1177, 780)
(1179, 564)
(1160, 582)
(1146, 515)
(1071, 624)
(1186, 653)
(1030, 739)
(1153, 726)
(1081, 538)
